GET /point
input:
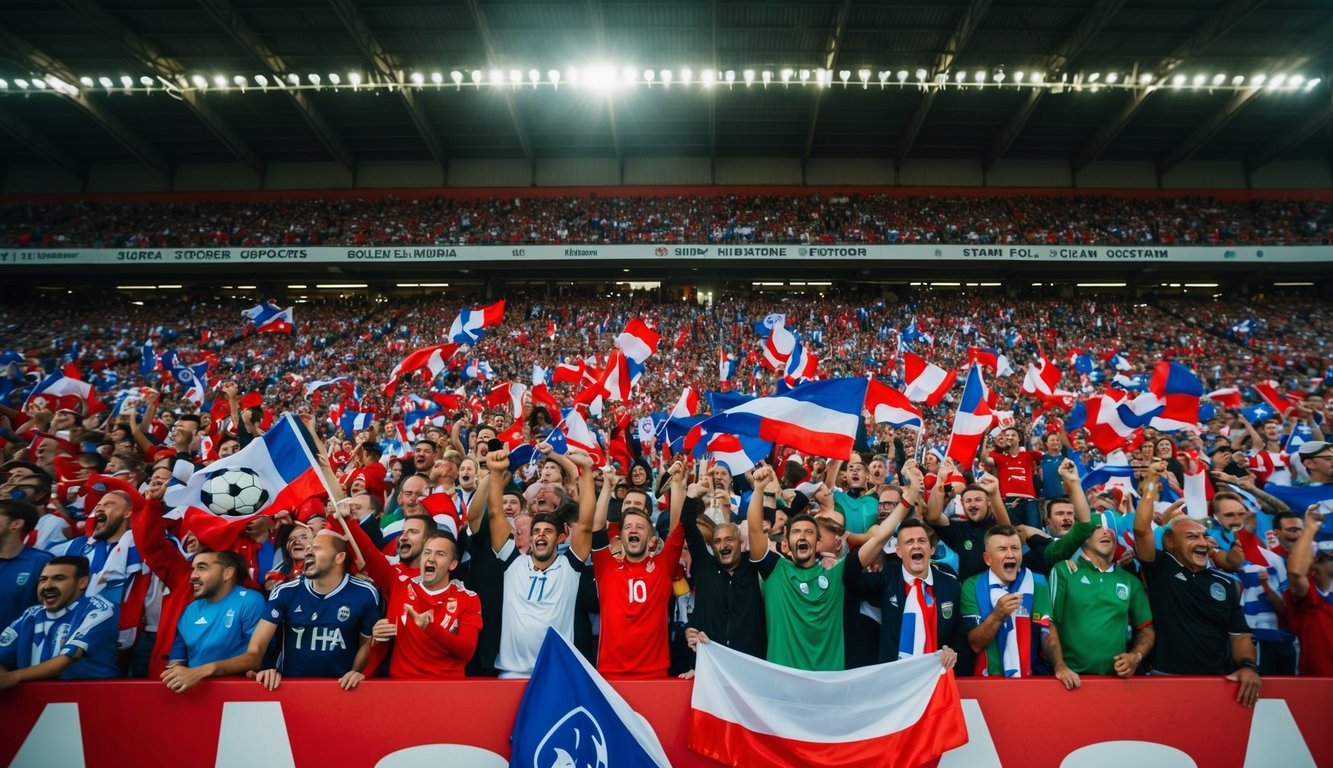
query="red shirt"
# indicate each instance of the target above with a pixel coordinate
(1312, 620)
(444, 647)
(1015, 473)
(634, 599)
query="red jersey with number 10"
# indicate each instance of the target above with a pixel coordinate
(634, 599)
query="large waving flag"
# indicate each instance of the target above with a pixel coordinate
(765, 326)
(687, 405)
(1169, 378)
(992, 360)
(638, 341)
(619, 377)
(749, 712)
(801, 366)
(275, 472)
(738, 454)
(472, 324)
(510, 394)
(1227, 397)
(576, 434)
(1101, 416)
(926, 382)
(58, 391)
(1042, 382)
(280, 322)
(568, 372)
(971, 420)
(570, 716)
(432, 359)
(1268, 391)
(819, 418)
(352, 422)
(779, 345)
(726, 367)
(889, 406)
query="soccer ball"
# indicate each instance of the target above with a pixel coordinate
(235, 492)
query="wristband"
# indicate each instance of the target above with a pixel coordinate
(1248, 664)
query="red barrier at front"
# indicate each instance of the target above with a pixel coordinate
(1010, 722)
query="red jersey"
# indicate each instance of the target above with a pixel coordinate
(634, 599)
(444, 647)
(1015, 473)
(1312, 621)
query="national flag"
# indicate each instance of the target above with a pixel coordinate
(1171, 378)
(1115, 473)
(748, 712)
(765, 327)
(738, 454)
(721, 401)
(1258, 413)
(351, 422)
(280, 322)
(619, 377)
(970, 421)
(570, 716)
(820, 418)
(1228, 397)
(540, 375)
(283, 460)
(638, 341)
(682, 338)
(1116, 360)
(687, 405)
(991, 359)
(311, 387)
(1082, 361)
(1268, 391)
(889, 406)
(1107, 431)
(542, 398)
(926, 382)
(147, 359)
(801, 365)
(510, 394)
(910, 334)
(567, 372)
(472, 324)
(58, 391)
(476, 368)
(778, 346)
(432, 359)
(726, 368)
(578, 435)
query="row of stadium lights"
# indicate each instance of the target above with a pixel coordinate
(607, 78)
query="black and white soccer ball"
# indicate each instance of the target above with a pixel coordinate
(234, 492)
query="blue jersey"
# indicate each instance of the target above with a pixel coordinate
(111, 564)
(18, 582)
(208, 632)
(88, 624)
(321, 633)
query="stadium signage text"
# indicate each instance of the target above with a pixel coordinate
(237, 723)
(35, 257)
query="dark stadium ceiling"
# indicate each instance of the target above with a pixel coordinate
(1169, 44)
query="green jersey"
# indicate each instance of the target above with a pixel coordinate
(1093, 611)
(858, 513)
(803, 607)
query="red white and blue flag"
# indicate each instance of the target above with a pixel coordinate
(472, 324)
(746, 712)
(59, 392)
(687, 405)
(889, 406)
(1268, 391)
(970, 421)
(801, 366)
(1042, 381)
(726, 367)
(819, 418)
(432, 359)
(1100, 415)
(270, 318)
(926, 382)
(638, 341)
(779, 345)
(738, 454)
(992, 360)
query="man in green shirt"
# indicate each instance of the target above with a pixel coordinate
(858, 503)
(803, 600)
(1006, 609)
(1094, 606)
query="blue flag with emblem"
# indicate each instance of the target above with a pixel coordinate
(570, 716)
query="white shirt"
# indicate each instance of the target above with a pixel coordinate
(533, 601)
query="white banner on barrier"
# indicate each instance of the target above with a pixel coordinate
(477, 254)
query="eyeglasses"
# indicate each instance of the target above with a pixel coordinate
(889, 504)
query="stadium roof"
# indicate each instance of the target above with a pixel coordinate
(1172, 52)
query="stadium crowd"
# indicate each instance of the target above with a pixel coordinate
(861, 218)
(449, 526)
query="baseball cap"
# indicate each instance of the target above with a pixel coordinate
(1313, 447)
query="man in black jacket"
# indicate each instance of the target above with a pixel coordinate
(728, 603)
(920, 605)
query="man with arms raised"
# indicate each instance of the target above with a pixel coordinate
(540, 587)
(1196, 609)
(920, 605)
(634, 590)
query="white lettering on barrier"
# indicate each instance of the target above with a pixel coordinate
(1275, 738)
(253, 731)
(55, 739)
(437, 755)
(979, 751)
(1118, 754)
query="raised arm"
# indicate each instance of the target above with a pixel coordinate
(1145, 546)
(1301, 558)
(497, 462)
(880, 533)
(991, 485)
(754, 516)
(580, 540)
(480, 502)
(935, 505)
(609, 480)
(1074, 490)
